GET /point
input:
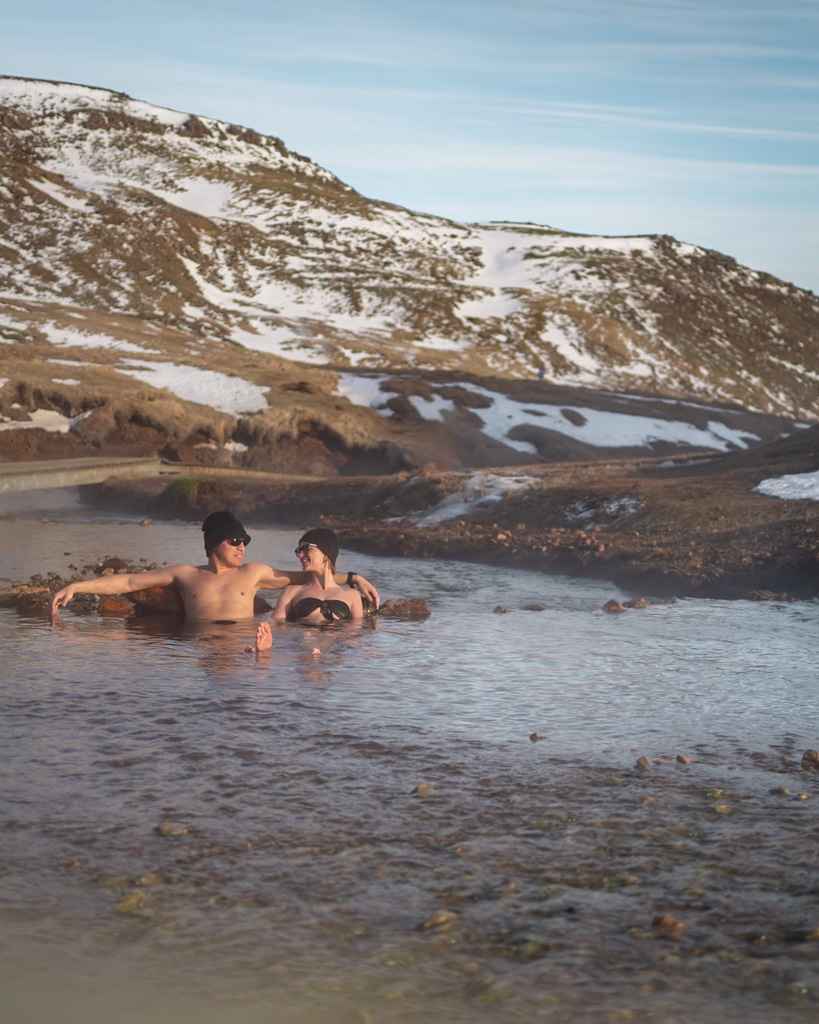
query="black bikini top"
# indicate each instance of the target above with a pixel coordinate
(329, 609)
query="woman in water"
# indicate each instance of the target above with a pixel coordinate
(320, 600)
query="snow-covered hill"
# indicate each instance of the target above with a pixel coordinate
(183, 222)
(168, 277)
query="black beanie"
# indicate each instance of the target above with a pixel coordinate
(221, 526)
(325, 540)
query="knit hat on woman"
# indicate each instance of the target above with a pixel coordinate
(325, 540)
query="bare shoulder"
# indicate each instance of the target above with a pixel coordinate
(266, 576)
(257, 570)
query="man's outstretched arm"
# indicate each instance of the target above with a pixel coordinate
(119, 583)
(274, 579)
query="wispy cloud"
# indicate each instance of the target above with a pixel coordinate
(576, 166)
(627, 116)
(653, 108)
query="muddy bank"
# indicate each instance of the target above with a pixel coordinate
(690, 526)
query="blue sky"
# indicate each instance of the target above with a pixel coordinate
(694, 118)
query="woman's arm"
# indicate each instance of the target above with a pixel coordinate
(119, 583)
(279, 613)
(356, 606)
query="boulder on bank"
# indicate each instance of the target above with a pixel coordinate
(414, 608)
(26, 598)
(157, 601)
(769, 595)
(114, 607)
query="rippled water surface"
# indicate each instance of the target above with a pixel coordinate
(370, 834)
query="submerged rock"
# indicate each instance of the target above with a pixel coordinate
(667, 925)
(441, 921)
(131, 903)
(170, 828)
(810, 759)
(613, 607)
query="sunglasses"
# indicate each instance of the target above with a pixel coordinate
(235, 542)
(304, 549)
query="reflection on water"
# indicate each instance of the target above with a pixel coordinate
(369, 834)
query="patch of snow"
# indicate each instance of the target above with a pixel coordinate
(603, 429)
(207, 387)
(66, 337)
(65, 380)
(200, 196)
(209, 292)
(563, 335)
(794, 487)
(600, 429)
(681, 463)
(355, 358)
(46, 419)
(364, 390)
(669, 401)
(479, 490)
(60, 195)
(279, 340)
(794, 368)
(432, 408)
(440, 343)
(235, 446)
(34, 94)
(82, 416)
(8, 319)
(172, 118)
(602, 511)
(600, 243)
(493, 303)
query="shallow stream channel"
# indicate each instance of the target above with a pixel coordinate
(556, 815)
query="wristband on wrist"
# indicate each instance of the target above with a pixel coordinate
(350, 578)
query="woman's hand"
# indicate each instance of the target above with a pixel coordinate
(368, 591)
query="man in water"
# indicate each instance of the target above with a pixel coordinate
(221, 591)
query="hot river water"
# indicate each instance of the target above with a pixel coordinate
(369, 834)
